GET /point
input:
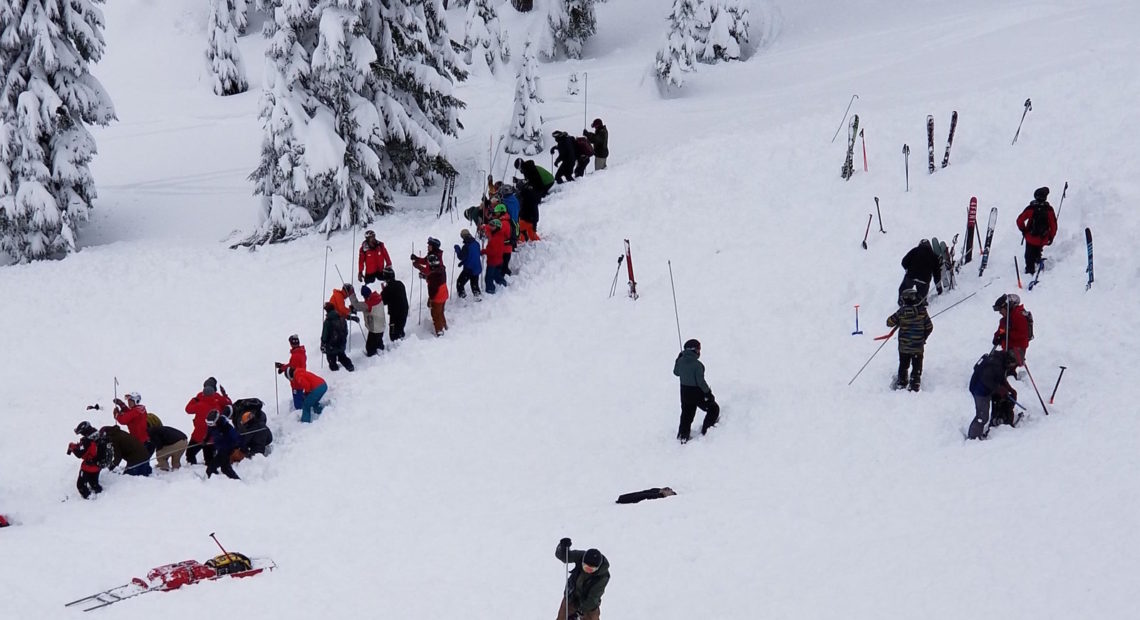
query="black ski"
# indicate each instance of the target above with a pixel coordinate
(971, 224)
(930, 140)
(950, 140)
(1088, 242)
(989, 239)
(849, 164)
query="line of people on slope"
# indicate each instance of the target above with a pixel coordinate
(994, 397)
(224, 432)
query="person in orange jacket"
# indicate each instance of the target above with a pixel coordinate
(339, 299)
(209, 399)
(297, 359)
(132, 414)
(314, 388)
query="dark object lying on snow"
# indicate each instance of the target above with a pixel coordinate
(654, 493)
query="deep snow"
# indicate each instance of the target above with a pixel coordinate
(443, 473)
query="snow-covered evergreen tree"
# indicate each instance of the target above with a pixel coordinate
(48, 97)
(485, 36)
(677, 57)
(415, 73)
(726, 32)
(571, 22)
(525, 132)
(241, 10)
(222, 50)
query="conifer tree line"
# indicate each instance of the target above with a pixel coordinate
(701, 31)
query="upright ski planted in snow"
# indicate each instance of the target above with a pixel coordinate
(971, 224)
(1088, 242)
(849, 164)
(989, 239)
(950, 139)
(629, 269)
(930, 140)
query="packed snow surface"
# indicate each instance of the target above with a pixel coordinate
(442, 474)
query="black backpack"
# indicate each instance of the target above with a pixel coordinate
(1039, 221)
(106, 456)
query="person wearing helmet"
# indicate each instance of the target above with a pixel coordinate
(127, 448)
(88, 451)
(314, 388)
(372, 308)
(433, 248)
(494, 251)
(225, 440)
(432, 270)
(209, 399)
(297, 359)
(395, 297)
(600, 139)
(567, 150)
(586, 583)
(990, 387)
(1038, 225)
(470, 263)
(372, 259)
(1015, 329)
(132, 414)
(334, 339)
(538, 178)
(922, 265)
(914, 327)
(504, 217)
(695, 393)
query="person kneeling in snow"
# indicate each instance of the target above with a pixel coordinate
(582, 599)
(314, 388)
(989, 386)
(225, 440)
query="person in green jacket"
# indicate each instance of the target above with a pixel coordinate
(695, 393)
(582, 599)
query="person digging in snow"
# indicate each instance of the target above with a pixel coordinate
(395, 297)
(225, 440)
(1038, 225)
(566, 147)
(538, 178)
(372, 308)
(209, 399)
(695, 393)
(582, 598)
(314, 389)
(334, 338)
(914, 327)
(297, 359)
(990, 387)
(88, 450)
(922, 265)
(132, 414)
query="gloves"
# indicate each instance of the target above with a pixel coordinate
(938, 287)
(121, 404)
(222, 389)
(279, 366)
(71, 447)
(414, 257)
(457, 248)
(322, 348)
(997, 339)
(564, 544)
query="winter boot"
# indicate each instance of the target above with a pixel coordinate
(915, 382)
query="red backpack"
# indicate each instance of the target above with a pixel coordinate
(584, 147)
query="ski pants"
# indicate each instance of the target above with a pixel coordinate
(492, 276)
(333, 358)
(980, 426)
(692, 398)
(565, 172)
(88, 483)
(438, 320)
(396, 327)
(170, 457)
(373, 343)
(580, 169)
(298, 398)
(312, 403)
(199, 446)
(911, 362)
(466, 276)
(142, 468)
(599, 163)
(528, 231)
(221, 461)
(1032, 257)
(570, 609)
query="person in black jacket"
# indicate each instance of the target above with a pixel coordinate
(582, 598)
(989, 386)
(600, 139)
(334, 339)
(249, 421)
(567, 156)
(532, 176)
(395, 296)
(169, 446)
(922, 265)
(128, 449)
(225, 440)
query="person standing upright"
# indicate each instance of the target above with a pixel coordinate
(695, 393)
(600, 139)
(1038, 225)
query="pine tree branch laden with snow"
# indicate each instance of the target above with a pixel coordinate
(525, 132)
(570, 23)
(723, 27)
(677, 57)
(48, 98)
(222, 50)
(484, 35)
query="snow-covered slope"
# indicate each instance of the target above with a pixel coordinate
(442, 474)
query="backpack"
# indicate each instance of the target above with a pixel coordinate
(1029, 322)
(106, 457)
(1039, 221)
(153, 421)
(584, 147)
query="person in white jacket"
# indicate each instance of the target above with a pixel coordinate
(375, 322)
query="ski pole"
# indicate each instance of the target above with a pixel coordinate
(1062, 203)
(868, 231)
(324, 284)
(955, 303)
(1057, 385)
(1034, 384)
(420, 305)
(613, 286)
(880, 214)
(219, 544)
(885, 341)
(864, 142)
(585, 96)
(343, 283)
(116, 388)
(1028, 107)
(1017, 271)
(566, 586)
(857, 330)
(906, 164)
(844, 121)
(676, 315)
(276, 392)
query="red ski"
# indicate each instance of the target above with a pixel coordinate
(629, 268)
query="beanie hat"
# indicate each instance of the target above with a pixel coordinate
(364, 290)
(209, 386)
(692, 344)
(518, 163)
(465, 233)
(1041, 194)
(593, 558)
(597, 123)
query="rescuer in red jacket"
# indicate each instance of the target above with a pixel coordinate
(1015, 329)
(209, 399)
(373, 259)
(87, 450)
(132, 414)
(297, 359)
(1038, 225)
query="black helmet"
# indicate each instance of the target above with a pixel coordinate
(593, 558)
(433, 242)
(387, 274)
(518, 163)
(909, 297)
(85, 429)
(295, 340)
(692, 344)
(1006, 301)
(1041, 194)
